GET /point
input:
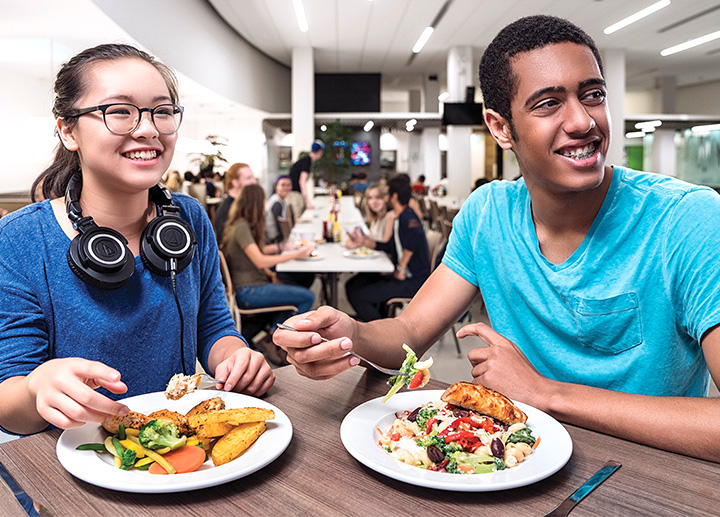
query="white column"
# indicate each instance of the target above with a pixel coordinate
(664, 152)
(415, 162)
(430, 152)
(303, 99)
(459, 155)
(614, 66)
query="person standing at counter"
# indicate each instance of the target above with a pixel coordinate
(237, 176)
(600, 282)
(299, 174)
(111, 285)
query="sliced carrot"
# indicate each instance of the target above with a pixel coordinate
(537, 442)
(466, 468)
(184, 459)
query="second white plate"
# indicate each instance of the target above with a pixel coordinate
(359, 434)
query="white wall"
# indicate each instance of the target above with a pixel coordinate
(702, 99)
(193, 39)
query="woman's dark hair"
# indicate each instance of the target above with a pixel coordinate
(70, 85)
(498, 82)
(249, 205)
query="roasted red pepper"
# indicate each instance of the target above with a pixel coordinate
(416, 381)
(462, 435)
(429, 425)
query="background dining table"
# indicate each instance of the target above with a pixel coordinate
(333, 258)
(316, 475)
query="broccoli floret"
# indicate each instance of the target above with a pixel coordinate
(438, 441)
(522, 435)
(128, 459)
(479, 463)
(424, 415)
(157, 434)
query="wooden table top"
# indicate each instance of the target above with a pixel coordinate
(316, 475)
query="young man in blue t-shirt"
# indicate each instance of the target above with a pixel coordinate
(600, 282)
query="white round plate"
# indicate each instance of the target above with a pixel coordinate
(359, 435)
(98, 469)
(351, 254)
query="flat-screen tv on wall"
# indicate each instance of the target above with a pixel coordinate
(360, 153)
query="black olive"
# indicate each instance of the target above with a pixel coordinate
(435, 454)
(497, 448)
(413, 416)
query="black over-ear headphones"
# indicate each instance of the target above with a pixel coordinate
(99, 256)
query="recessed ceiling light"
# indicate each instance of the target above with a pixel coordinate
(706, 128)
(648, 126)
(635, 134)
(637, 16)
(690, 44)
(443, 96)
(300, 15)
(424, 37)
(368, 125)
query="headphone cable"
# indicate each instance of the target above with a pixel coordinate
(173, 281)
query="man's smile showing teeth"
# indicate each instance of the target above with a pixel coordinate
(141, 155)
(580, 153)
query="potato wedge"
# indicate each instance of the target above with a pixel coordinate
(236, 442)
(238, 416)
(212, 430)
(206, 406)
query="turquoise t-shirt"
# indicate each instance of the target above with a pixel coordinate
(627, 310)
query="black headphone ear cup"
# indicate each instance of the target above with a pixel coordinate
(167, 237)
(100, 257)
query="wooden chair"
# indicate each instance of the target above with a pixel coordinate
(450, 213)
(237, 312)
(285, 228)
(446, 228)
(434, 215)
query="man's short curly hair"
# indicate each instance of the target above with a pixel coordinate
(498, 82)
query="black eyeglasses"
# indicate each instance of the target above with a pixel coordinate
(122, 118)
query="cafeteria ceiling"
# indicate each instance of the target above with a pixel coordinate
(361, 36)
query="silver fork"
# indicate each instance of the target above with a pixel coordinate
(386, 371)
(207, 378)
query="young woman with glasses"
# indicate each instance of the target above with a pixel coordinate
(86, 318)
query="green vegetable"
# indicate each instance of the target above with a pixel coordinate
(522, 435)
(424, 415)
(91, 447)
(411, 367)
(157, 434)
(121, 432)
(439, 442)
(118, 447)
(480, 463)
(499, 464)
(128, 459)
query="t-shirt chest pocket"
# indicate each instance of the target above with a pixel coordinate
(610, 325)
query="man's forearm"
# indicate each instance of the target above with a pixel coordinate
(662, 422)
